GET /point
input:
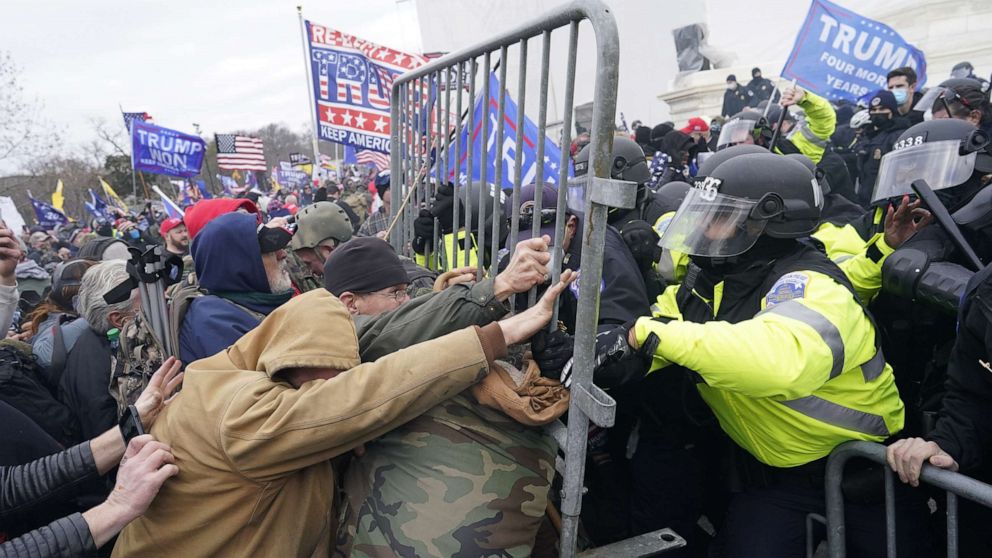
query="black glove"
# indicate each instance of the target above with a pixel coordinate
(423, 232)
(552, 351)
(443, 205)
(612, 348)
(642, 241)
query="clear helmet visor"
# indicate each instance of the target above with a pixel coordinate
(929, 98)
(938, 162)
(734, 132)
(713, 225)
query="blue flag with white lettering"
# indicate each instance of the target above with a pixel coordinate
(98, 208)
(840, 54)
(159, 150)
(528, 167)
(46, 215)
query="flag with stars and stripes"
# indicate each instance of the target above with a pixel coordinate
(352, 79)
(529, 164)
(240, 152)
(132, 116)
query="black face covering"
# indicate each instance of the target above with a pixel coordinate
(765, 249)
(956, 197)
(881, 122)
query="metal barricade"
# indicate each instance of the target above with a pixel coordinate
(954, 483)
(425, 144)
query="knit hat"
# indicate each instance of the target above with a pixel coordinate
(363, 265)
(731, 77)
(884, 99)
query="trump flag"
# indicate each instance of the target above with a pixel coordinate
(840, 54)
(351, 83)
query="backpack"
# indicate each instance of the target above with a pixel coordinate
(22, 387)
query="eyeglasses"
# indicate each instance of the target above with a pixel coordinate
(399, 295)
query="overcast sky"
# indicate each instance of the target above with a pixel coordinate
(223, 64)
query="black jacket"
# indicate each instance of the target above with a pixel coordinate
(734, 101)
(84, 386)
(964, 428)
(24, 487)
(760, 89)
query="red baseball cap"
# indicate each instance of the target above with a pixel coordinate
(696, 124)
(168, 225)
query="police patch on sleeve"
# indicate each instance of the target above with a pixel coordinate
(789, 287)
(574, 287)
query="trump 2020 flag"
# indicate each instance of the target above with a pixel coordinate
(46, 215)
(160, 150)
(842, 55)
(529, 164)
(351, 82)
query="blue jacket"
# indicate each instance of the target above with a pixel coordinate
(227, 260)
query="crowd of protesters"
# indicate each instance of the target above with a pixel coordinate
(776, 291)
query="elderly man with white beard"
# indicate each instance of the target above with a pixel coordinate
(242, 274)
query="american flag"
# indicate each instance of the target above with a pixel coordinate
(368, 157)
(240, 152)
(132, 116)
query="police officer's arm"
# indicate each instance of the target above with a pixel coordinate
(786, 351)
(964, 429)
(820, 116)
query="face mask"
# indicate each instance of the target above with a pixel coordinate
(756, 76)
(900, 95)
(881, 121)
(732, 85)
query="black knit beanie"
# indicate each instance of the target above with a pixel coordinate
(363, 265)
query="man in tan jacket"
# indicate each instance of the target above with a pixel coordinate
(255, 427)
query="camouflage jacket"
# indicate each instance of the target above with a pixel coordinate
(461, 480)
(137, 356)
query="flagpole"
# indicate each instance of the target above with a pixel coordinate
(134, 183)
(313, 101)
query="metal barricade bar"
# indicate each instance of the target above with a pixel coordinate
(955, 484)
(413, 150)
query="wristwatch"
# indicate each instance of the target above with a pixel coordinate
(130, 424)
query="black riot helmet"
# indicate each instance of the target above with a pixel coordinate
(718, 158)
(745, 127)
(821, 177)
(671, 195)
(746, 197)
(628, 163)
(945, 152)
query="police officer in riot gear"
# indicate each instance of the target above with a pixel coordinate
(748, 325)
(953, 157)
(635, 225)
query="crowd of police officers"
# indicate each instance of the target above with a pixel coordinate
(756, 316)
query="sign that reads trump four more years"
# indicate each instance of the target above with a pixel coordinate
(160, 150)
(842, 55)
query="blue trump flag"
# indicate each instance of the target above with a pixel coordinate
(46, 215)
(841, 55)
(98, 208)
(528, 167)
(159, 150)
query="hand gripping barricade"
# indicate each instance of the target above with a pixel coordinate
(955, 484)
(426, 128)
